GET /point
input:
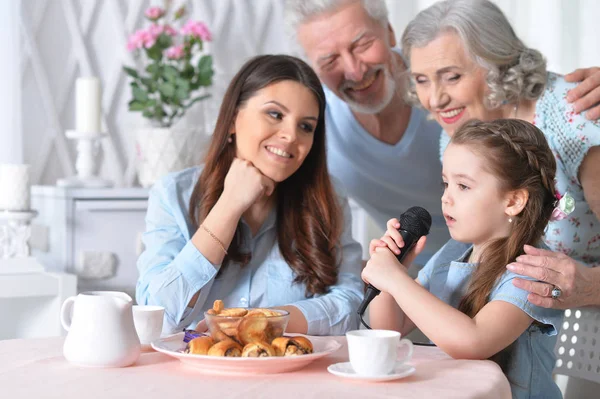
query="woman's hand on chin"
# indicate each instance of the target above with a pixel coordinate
(245, 184)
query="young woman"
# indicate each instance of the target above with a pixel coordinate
(259, 224)
(466, 62)
(498, 197)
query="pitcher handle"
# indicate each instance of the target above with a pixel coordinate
(66, 313)
(409, 345)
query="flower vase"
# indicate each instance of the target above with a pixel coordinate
(164, 150)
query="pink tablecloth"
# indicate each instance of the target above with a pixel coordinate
(35, 368)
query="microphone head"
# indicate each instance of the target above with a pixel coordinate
(416, 220)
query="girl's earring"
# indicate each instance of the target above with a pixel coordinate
(509, 220)
(230, 138)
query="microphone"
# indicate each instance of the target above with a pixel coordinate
(414, 223)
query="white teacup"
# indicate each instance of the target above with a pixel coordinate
(375, 352)
(148, 322)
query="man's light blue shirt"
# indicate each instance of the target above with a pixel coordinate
(172, 270)
(387, 179)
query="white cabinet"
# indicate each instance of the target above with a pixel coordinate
(93, 233)
(30, 303)
(96, 233)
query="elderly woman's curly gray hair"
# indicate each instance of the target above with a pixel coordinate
(514, 70)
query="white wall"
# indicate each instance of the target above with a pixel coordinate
(11, 138)
(63, 39)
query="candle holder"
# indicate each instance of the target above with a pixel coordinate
(14, 243)
(87, 149)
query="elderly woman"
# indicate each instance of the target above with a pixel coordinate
(467, 63)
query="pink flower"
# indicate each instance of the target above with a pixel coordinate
(154, 13)
(168, 29)
(196, 29)
(138, 40)
(175, 52)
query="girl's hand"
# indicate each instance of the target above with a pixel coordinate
(383, 269)
(392, 239)
(244, 184)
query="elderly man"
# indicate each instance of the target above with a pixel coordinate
(385, 152)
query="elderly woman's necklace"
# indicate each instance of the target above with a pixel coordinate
(516, 109)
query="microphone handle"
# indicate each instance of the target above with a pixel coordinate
(409, 242)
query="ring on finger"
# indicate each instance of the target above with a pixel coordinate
(556, 292)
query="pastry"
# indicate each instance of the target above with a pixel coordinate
(253, 329)
(199, 346)
(227, 348)
(258, 349)
(263, 312)
(292, 346)
(218, 306)
(233, 312)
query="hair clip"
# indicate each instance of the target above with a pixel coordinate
(564, 206)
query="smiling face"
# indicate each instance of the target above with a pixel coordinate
(449, 83)
(274, 129)
(474, 204)
(351, 53)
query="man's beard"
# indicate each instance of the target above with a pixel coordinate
(371, 106)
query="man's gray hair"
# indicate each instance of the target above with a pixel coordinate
(297, 12)
(514, 70)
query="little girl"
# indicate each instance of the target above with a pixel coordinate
(498, 197)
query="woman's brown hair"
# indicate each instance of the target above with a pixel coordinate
(308, 214)
(518, 154)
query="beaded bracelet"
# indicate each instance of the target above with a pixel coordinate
(214, 237)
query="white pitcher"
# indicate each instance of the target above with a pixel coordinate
(101, 329)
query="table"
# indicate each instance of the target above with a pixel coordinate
(33, 368)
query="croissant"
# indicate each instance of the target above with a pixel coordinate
(258, 349)
(199, 346)
(263, 312)
(252, 329)
(233, 312)
(228, 348)
(292, 346)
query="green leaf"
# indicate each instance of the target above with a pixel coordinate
(205, 65)
(139, 94)
(183, 84)
(148, 113)
(155, 53)
(164, 41)
(170, 73)
(182, 93)
(131, 72)
(150, 84)
(136, 106)
(153, 68)
(167, 89)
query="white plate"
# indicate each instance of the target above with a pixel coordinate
(174, 346)
(345, 370)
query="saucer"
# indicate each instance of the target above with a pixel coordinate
(345, 370)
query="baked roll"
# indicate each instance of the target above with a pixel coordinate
(258, 349)
(292, 346)
(199, 346)
(227, 348)
(253, 329)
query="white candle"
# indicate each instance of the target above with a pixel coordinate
(14, 187)
(88, 97)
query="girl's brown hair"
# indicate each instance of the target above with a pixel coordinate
(309, 221)
(518, 154)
